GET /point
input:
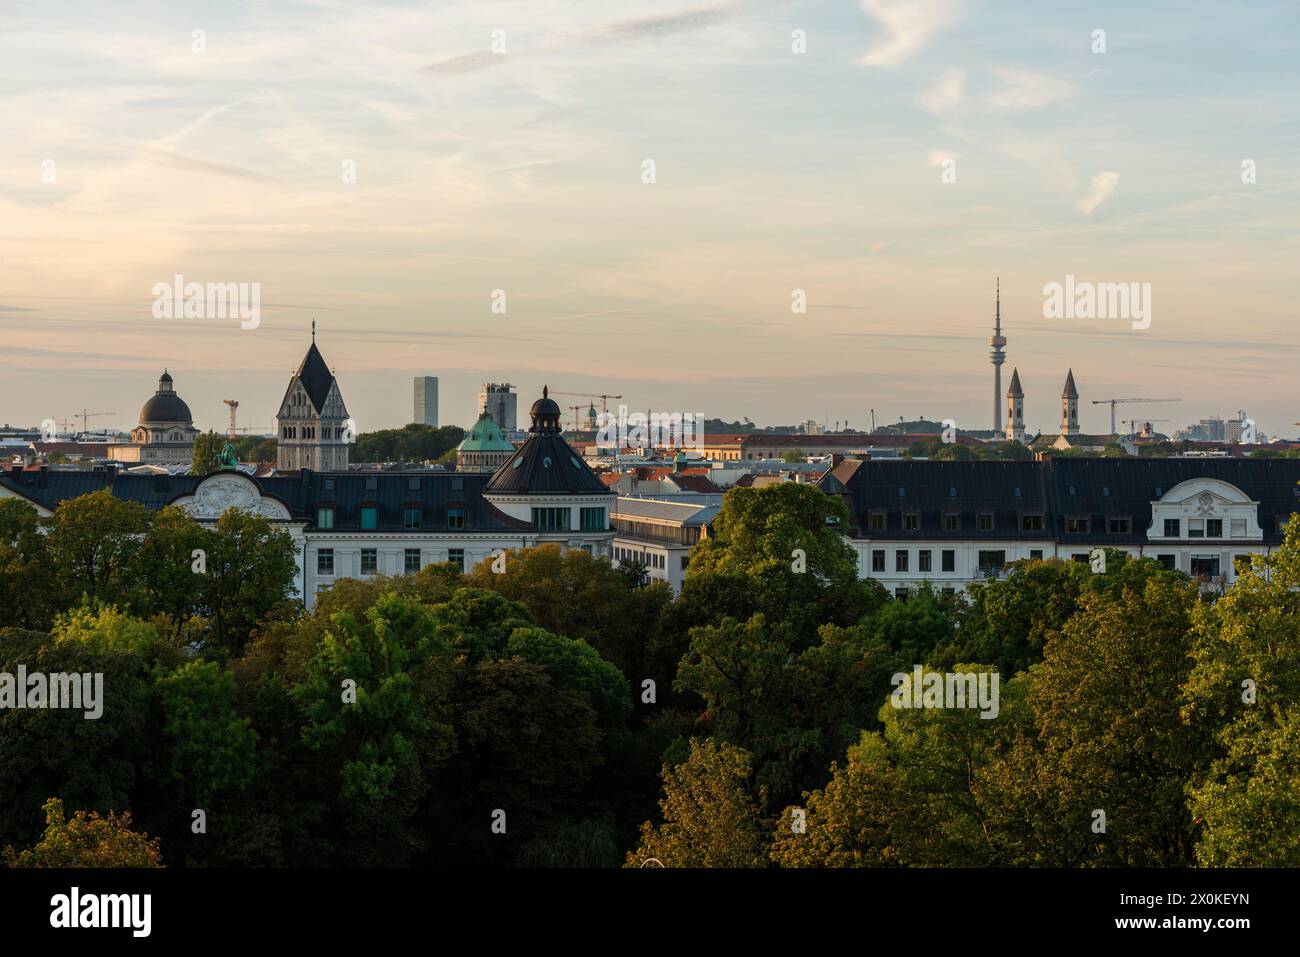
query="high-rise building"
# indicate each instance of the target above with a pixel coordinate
(998, 355)
(312, 421)
(498, 401)
(426, 400)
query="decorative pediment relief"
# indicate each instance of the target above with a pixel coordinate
(221, 492)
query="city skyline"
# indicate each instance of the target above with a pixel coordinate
(776, 171)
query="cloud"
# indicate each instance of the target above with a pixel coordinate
(945, 94)
(909, 25)
(1100, 188)
(192, 165)
(1026, 90)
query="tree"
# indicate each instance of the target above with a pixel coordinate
(26, 576)
(170, 581)
(88, 840)
(93, 540)
(415, 442)
(209, 747)
(251, 567)
(207, 453)
(712, 813)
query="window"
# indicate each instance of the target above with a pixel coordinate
(1196, 528)
(1173, 528)
(950, 522)
(456, 517)
(948, 590)
(991, 562)
(986, 522)
(325, 561)
(911, 521)
(411, 517)
(369, 516)
(1238, 528)
(901, 593)
(923, 560)
(1205, 566)
(458, 485)
(900, 560)
(1078, 526)
(413, 485)
(329, 485)
(325, 517)
(1035, 554)
(876, 521)
(593, 519)
(1214, 528)
(949, 560)
(457, 557)
(369, 561)
(878, 560)
(1168, 561)
(372, 483)
(1119, 526)
(411, 560)
(1031, 523)
(1079, 557)
(551, 519)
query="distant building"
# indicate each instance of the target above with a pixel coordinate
(312, 421)
(426, 400)
(498, 401)
(165, 434)
(660, 534)
(484, 448)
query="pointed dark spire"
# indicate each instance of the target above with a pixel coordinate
(1015, 391)
(1070, 392)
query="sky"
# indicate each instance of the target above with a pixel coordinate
(890, 159)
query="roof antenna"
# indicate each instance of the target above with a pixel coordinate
(313, 330)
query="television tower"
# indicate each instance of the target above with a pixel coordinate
(997, 343)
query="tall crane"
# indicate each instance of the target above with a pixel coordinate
(234, 404)
(576, 409)
(1132, 423)
(604, 397)
(1113, 402)
(87, 415)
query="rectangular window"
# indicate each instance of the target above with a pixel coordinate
(592, 519)
(949, 559)
(551, 519)
(991, 562)
(1238, 528)
(1168, 561)
(986, 521)
(369, 561)
(1214, 528)
(1035, 554)
(457, 557)
(878, 560)
(325, 517)
(911, 521)
(455, 518)
(1205, 566)
(923, 560)
(411, 517)
(950, 522)
(1078, 526)
(876, 522)
(411, 560)
(1196, 528)
(900, 560)
(901, 593)
(325, 561)
(1119, 526)
(369, 516)
(1031, 523)
(948, 590)
(1173, 528)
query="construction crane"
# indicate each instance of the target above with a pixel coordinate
(1113, 402)
(234, 404)
(604, 397)
(576, 409)
(87, 415)
(1132, 424)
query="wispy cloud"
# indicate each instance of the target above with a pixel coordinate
(1027, 90)
(1100, 189)
(945, 94)
(908, 26)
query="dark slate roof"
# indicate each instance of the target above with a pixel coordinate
(304, 493)
(165, 407)
(1063, 488)
(545, 465)
(315, 376)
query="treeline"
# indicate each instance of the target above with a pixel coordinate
(562, 712)
(411, 443)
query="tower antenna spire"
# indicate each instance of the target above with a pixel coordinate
(313, 330)
(997, 355)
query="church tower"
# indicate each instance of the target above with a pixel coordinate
(1015, 409)
(312, 421)
(1069, 406)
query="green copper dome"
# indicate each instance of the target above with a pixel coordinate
(485, 436)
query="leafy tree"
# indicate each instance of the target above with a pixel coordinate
(88, 840)
(712, 813)
(209, 747)
(170, 585)
(207, 453)
(27, 580)
(415, 442)
(251, 567)
(93, 540)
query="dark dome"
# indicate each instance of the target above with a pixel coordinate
(165, 407)
(545, 413)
